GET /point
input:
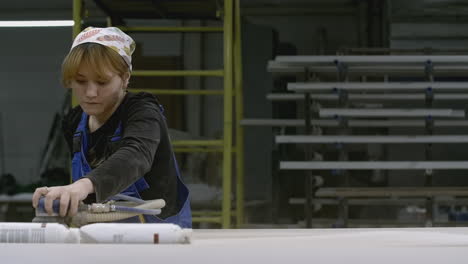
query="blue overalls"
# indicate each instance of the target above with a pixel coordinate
(80, 168)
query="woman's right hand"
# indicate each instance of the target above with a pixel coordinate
(69, 195)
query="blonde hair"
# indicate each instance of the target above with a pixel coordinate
(95, 56)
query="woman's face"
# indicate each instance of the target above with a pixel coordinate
(96, 95)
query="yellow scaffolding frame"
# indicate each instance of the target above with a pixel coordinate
(232, 74)
(172, 29)
(238, 88)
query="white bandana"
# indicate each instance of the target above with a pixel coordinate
(111, 37)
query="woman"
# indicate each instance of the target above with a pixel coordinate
(119, 140)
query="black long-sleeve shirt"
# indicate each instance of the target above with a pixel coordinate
(143, 151)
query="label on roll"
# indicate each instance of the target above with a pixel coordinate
(22, 236)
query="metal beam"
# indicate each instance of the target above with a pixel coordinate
(372, 165)
(377, 86)
(441, 200)
(228, 115)
(366, 201)
(363, 97)
(239, 111)
(173, 29)
(392, 191)
(352, 60)
(2, 145)
(204, 143)
(351, 123)
(178, 73)
(352, 112)
(371, 139)
(287, 10)
(178, 91)
(273, 122)
(369, 70)
(396, 51)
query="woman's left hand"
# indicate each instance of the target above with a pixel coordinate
(69, 195)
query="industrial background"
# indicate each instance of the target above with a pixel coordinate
(283, 113)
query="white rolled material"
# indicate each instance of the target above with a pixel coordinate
(134, 234)
(101, 233)
(37, 233)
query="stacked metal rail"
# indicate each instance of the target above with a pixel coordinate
(118, 11)
(349, 86)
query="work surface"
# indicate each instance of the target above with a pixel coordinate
(411, 245)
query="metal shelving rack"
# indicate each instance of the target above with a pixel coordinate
(232, 74)
(345, 68)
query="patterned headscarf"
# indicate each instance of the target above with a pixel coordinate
(111, 37)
